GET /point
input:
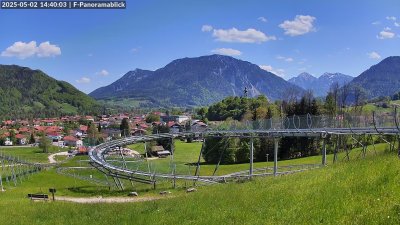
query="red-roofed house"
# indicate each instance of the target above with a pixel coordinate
(83, 150)
(143, 126)
(83, 128)
(72, 141)
(8, 122)
(89, 118)
(23, 130)
(170, 123)
(138, 132)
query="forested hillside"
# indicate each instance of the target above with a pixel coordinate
(32, 93)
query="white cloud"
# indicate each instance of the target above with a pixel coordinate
(21, 50)
(374, 55)
(227, 51)
(83, 80)
(279, 72)
(266, 67)
(24, 50)
(387, 28)
(46, 49)
(396, 24)
(242, 36)
(391, 18)
(262, 19)
(103, 73)
(376, 23)
(299, 26)
(385, 35)
(206, 28)
(287, 59)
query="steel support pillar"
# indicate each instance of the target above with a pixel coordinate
(398, 146)
(1, 184)
(276, 145)
(335, 156)
(172, 149)
(251, 156)
(324, 152)
(197, 173)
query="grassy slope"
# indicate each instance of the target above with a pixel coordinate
(359, 192)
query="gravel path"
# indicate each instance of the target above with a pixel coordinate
(109, 199)
(52, 156)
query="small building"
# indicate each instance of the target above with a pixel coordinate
(72, 141)
(160, 151)
(8, 142)
(199, 126)
(82, 150)
(21, 139)
(175, 128)
(177, 119)
(54, 136)
(83, 129)
(60, 144)
(113, 133)
(138, 132)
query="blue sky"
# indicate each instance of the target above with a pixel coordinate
(92, 48)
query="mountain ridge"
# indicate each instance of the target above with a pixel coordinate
(381, 79)
(197, 81)
(320, 86)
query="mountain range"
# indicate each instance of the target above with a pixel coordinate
(320, 86)
(196, 81)
(183, 82)
(26, 92)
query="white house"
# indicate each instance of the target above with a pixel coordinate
(8, 142)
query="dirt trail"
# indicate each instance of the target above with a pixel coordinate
(109, 199)
(52, 156)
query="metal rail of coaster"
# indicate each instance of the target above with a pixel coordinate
(323, 127)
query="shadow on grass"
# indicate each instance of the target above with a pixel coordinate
(95, 190)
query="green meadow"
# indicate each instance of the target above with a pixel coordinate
(358, 191)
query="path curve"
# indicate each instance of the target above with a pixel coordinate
(52, 156)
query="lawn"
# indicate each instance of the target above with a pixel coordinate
(361, 191)
(186, 157)
(30, 154)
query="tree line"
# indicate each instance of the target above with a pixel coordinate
(226, 150)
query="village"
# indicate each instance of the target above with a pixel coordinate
(72, 131)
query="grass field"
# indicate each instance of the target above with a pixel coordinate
(31, 154)
(361, 191)
(187, 154)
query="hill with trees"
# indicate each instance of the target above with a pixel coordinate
(27, 93)
(382, 79)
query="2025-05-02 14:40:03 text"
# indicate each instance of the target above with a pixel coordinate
(63, 5)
